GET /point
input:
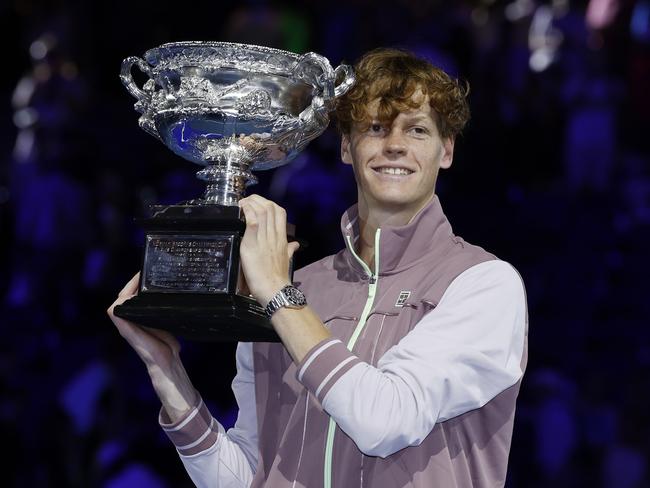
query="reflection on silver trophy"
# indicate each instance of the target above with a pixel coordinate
(233, 109)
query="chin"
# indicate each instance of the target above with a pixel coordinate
(396, 203)
(399, 201)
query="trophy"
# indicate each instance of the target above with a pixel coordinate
(233, 109)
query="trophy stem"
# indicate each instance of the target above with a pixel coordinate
(227, 183)
(227, 171)
(226, 192)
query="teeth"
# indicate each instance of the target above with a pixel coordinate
(394, 171)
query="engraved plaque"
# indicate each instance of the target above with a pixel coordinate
(187, 264)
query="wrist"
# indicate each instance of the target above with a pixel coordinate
(174, 389)
(288, 296)
(264, 295)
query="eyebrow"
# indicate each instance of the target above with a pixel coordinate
(418, 117)
(410, 119)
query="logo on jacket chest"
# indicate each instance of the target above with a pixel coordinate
(401, 299)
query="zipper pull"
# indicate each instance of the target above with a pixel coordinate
(372, 280)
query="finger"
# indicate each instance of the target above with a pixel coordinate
(137, 337)
(281, 225)
(263, 209)
(111, 311)
(256, 198)
(129, 290)
(125, 328)
(270, 210)
(131, 287)
(253, 207)
(292, 247)
(131, 332)
(250, 216)
(271, 213)
(275, 218)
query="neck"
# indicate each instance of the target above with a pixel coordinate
(372, 218)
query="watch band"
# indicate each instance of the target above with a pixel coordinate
(289, 296)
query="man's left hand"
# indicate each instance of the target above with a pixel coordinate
(264, 251)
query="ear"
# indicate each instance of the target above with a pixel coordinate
(447, 152)
(346, 155)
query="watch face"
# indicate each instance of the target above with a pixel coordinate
(295, 296)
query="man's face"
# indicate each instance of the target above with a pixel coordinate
(396, 165)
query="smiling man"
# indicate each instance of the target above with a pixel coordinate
(401, 356)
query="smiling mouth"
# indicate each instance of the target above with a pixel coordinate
(393, 171)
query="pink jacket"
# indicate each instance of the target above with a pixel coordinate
(416, 387)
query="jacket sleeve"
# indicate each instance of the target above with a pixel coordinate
(212, 457)
(456, 359)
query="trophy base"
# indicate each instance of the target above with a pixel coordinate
(191, 282)
(215, 318)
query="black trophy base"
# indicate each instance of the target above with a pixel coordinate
(215, 318)
(191, 282)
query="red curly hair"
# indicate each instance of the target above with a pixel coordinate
(393, 76)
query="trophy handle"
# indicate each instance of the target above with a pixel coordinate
(324, 80)
(127, 78)
(348, 79)
(320, 104)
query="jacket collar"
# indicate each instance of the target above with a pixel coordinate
(404, 246)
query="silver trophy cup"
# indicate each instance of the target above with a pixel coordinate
(233, 109)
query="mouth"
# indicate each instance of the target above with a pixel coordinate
(387, 170)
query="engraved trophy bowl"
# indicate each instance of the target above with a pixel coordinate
(232, 109)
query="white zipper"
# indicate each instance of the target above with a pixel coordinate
(302, 444)
(372, 289)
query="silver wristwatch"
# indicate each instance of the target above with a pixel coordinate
(289, 296)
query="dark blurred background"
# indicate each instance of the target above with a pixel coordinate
(552, 174)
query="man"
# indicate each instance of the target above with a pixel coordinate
(403, 368)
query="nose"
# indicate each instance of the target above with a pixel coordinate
(394, 144)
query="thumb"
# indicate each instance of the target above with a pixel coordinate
(131, 288)
(292, 247)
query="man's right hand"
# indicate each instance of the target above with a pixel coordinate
(160, 352)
